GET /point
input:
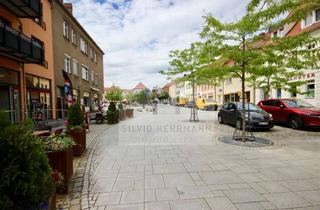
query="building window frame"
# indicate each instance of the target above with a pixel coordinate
(73, 37)
(67, 63)
(310, 89)
(65, 29)
(75, 68)
(83, 46)
(85, 72)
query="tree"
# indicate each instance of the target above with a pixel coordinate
(163, 96)
(142, 97)
(130, 97)
(184, 65)
(114, 94)
(239, 55)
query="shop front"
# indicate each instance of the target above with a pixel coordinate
(38, 94)
(10, 93)
(86, 101)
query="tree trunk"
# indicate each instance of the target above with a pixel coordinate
(243, 89)
(193, 101)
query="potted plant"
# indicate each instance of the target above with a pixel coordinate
(25, 175)
(129, 113)
(76, 130)
(113, 95)
(60, 155)
(122, 112)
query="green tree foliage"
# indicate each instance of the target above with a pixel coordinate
(75, 116)
(163, 96)
(25, 175)
(142, 97)
(114, 94)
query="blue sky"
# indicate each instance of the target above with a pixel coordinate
(137, 35)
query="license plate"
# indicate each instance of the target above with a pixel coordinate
(263, 123)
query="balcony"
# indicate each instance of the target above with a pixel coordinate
(23, 8)
(19, 47)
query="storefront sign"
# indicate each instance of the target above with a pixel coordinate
(86, 94)
(67, 89)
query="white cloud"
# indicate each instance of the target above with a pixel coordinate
(137, 35)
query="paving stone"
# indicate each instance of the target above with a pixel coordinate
(267, 205)
(126, 207)
(167, 194)
(154, 181)
(103, 185)
(168, 168)
(243, 195)
(160, 205)
(111, 198)
(190, 192)
(123, 185)
(249, 206)
(313, 196)
(150, 195)
(297, 185)
(181, 179)
(220, 177)
(189, 204)
(273, 187)
(286, 200)
(132, 197)
(220, 203)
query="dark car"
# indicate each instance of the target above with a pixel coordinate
(294, 112)
(256, 118)
(190, 104)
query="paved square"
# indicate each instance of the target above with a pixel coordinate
(165, 162)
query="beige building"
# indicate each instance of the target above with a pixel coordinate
(78, 62)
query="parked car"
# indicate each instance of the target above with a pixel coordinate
(256, 118)
(190, 104)
(294, 112)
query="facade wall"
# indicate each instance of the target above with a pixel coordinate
(42, 32)
(88, 92)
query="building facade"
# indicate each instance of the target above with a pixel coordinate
(78, 62)
(26, 73)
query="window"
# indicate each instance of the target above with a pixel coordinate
(266, 103)
(317, 14)
(279, 93)
(94, 56)
(83, 46)
(229, 81)
(308, 20)
(275, 34)
(75, 67)
(92, 77)
(65, 29)
(310, 89)
(91, 53)
(67, 64)
(85, 73)
(73, 37)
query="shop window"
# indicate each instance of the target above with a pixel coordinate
(279, 93)
(310, 89)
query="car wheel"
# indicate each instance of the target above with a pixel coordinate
(295, 122)
(238, 124)
(220, 119)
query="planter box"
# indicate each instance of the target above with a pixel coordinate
(129, 113)
(122, 115)
(62, 161)
(79, 137)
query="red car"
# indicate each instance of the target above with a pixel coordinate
(295, 112)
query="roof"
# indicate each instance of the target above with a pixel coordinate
(140, 85)
(79, 25)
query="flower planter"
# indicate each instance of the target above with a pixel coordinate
(52, 201)
(122, 114)
(62, 161)
(129, 113)
(79, 137)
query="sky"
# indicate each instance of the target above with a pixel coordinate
(137, 35)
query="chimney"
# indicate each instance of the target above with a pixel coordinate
(68, 6)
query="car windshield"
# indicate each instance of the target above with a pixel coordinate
(249, 107)
(295, 103)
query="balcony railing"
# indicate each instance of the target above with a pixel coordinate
(23, 8)
(18, 46)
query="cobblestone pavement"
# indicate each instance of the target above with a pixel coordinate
(163, 161)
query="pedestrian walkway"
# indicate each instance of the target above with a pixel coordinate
(163, 161)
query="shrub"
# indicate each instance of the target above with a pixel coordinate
(114, 94)
(112, 114)
(75, 116)
(25, 175)
(57, 143)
